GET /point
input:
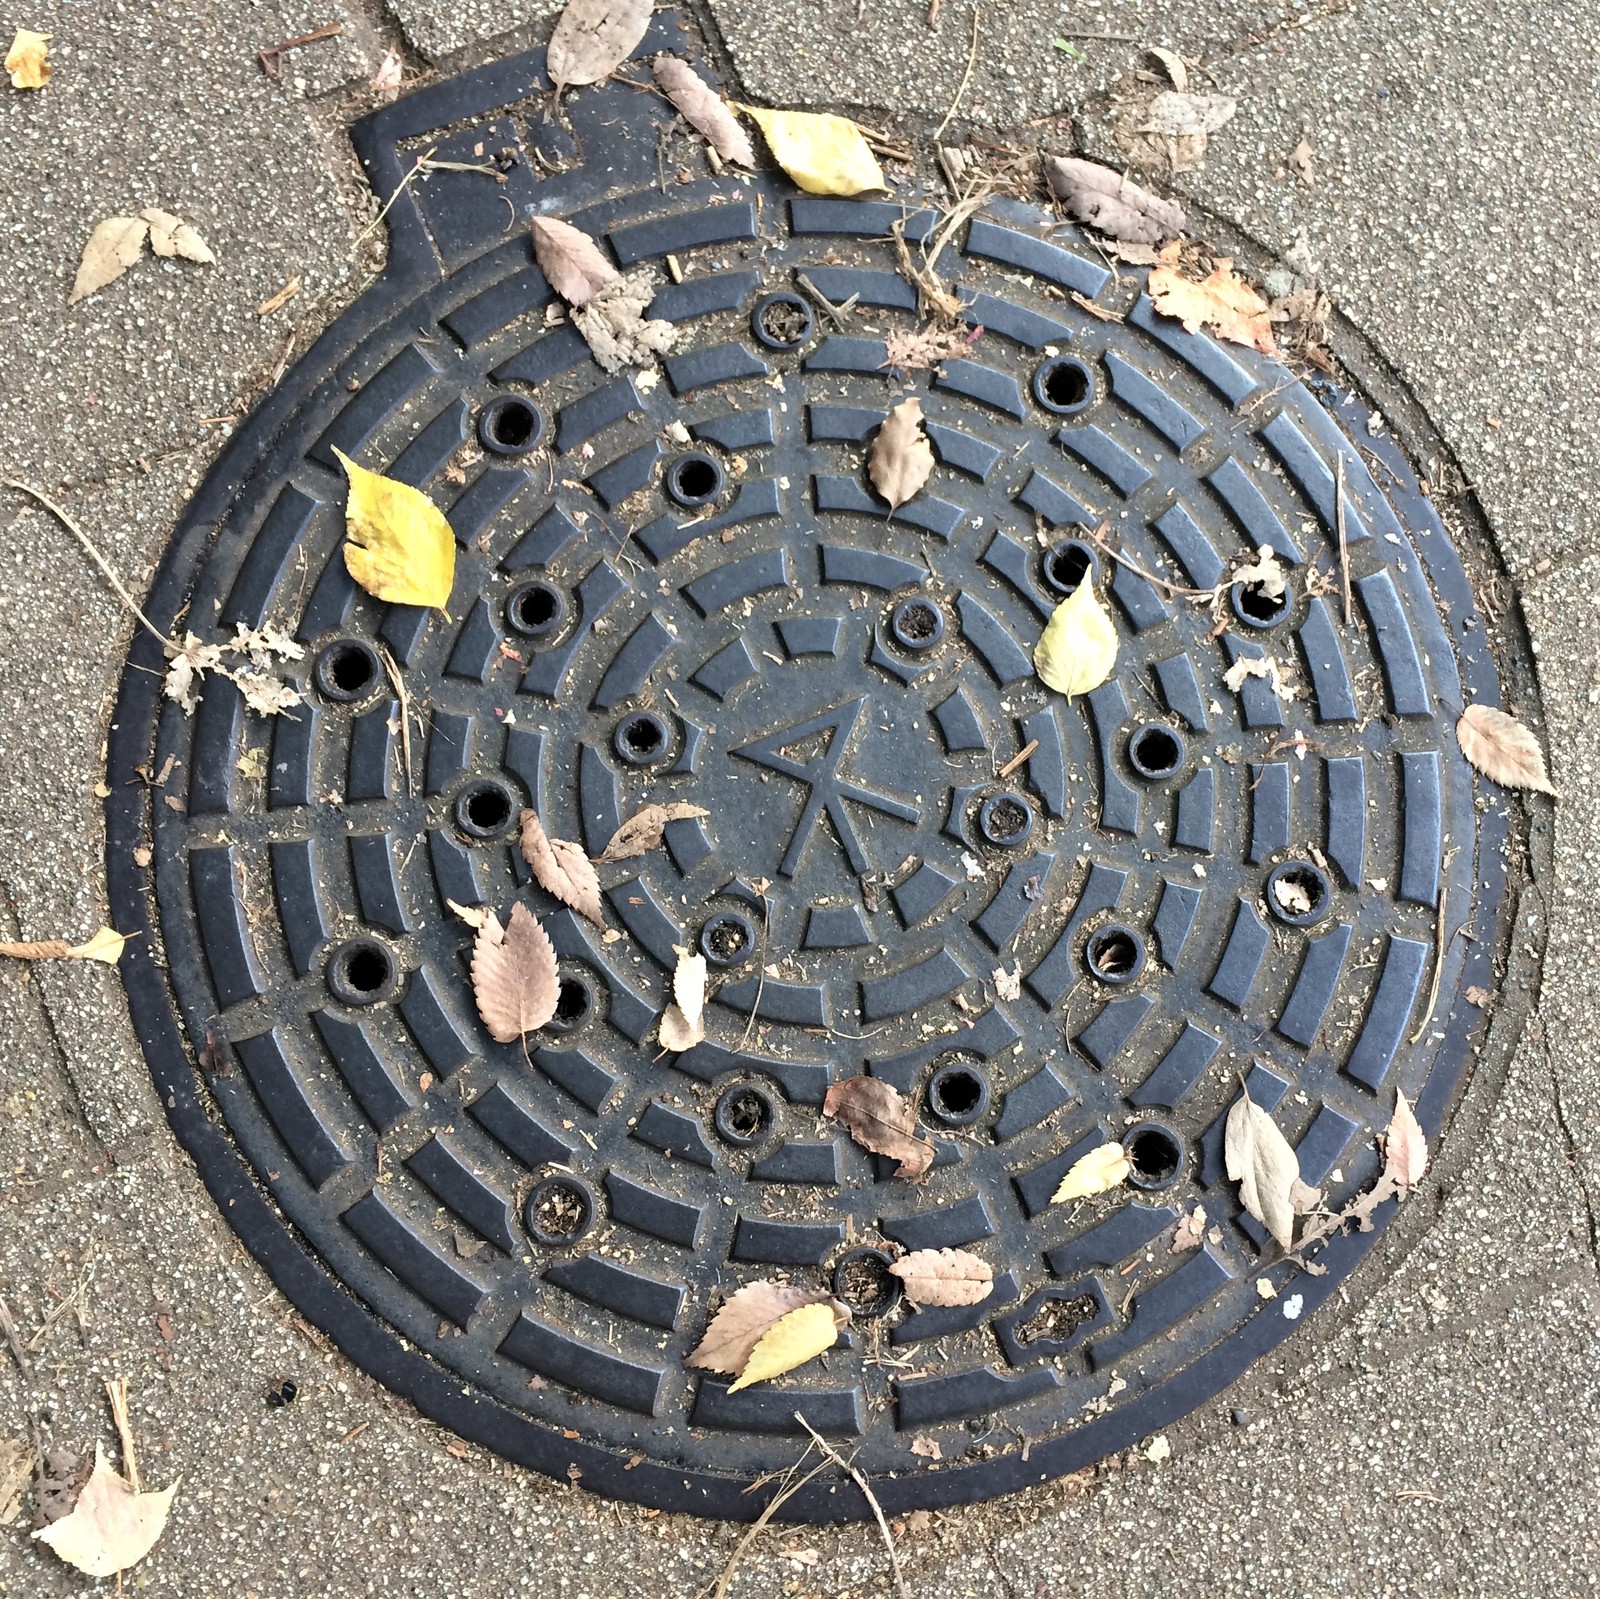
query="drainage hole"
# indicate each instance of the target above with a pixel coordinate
(361, 971)
(347, 669)
(694, 480)
(1115, 954)
(1155, 751)
(782, 321)
(1254, 606)
(640, 738)
(535, 609)
(727, 938)
(484, 810)
(1005, 820)
(1298, 892)
(863, 1281)
(743, 1115)
(1057, 1320)
(574, 1002)
(1067, 564)
(957, 1095)
(916, 625)
(559, 1210)
(1063, 385)
(510, 425)
(1155, 1153)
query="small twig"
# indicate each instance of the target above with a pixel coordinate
(719, 1588)
(117, 1393)
(966, 78)
(399, 684)
(94, 555)
(933, 13)
(9, 1328)
(400, 188)
(271, 58)
(1075, 33)
(1016, 760)
(1439, 950)
(838, 314)
(1099, 537)
(465, 166)
(761, 973)
(861, 1482)
(1338, 517)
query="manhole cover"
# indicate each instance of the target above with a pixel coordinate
(678, 585)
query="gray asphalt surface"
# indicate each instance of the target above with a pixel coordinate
(1438, 1439)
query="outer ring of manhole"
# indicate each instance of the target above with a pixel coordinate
(680, 1451)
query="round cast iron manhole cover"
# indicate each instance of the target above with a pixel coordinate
(1047, 923)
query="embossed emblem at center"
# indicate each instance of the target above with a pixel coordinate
(835, 730)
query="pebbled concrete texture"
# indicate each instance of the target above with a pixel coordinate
(1437, 1438)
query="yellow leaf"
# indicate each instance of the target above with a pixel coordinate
(824, 154)
(26, 62)
(1101, 1169)
(401, 547)
(790, 1341)
(1078, 648)
(106, 945)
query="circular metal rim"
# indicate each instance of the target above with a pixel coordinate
(494, 410)
(434, 1389)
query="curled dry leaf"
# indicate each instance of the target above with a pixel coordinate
(738, 1327)
(1114, 204)
(575, 265)
(1097, 1172)
(592, 38)
(901, 460)
(514, 976)
(1008, 985)
(27, 59)
(704, 110)
(1504, 750)
(927, 1448)
(112, 1527)
(1264, 666)
(399, 546)
(1178, 114)
(106, 946)
(881, 1119)
(683, 1022)
(922, 349)
(615, 327)
(1263, 1163)
(172, 236)
(824, 154)
(944, 1277)
(561, 868)
(791, 1341)
(389, 76)
(473, 915)
(644, 829)
(1405, 1150)
(1191, 1230)
(113, 247)
(1265, 573)
(1078, 648)
(1223, 302)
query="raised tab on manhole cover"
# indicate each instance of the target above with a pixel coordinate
(1048, 924)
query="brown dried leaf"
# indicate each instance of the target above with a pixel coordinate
(16, 1471)
(1502, 749)
(1191, 1230)
(575, 265)
(927, 1448)
(908, 349)
(562, 868)
(1263, 1163)
(879, 1118)
(27, 61)
(901, 460)
(1300, 162)
(1476, 995)
(1114, 204)
(683, 1022)
(389, 76)
(704, 110)
(592, 38)
(113, 247)
(1224, 302)
(1405, 1149)
(172, 236)
(514, 975)
(737, 1328)
(1176, 114)
(644, 829)
(944, 1277)
(111, 1527)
